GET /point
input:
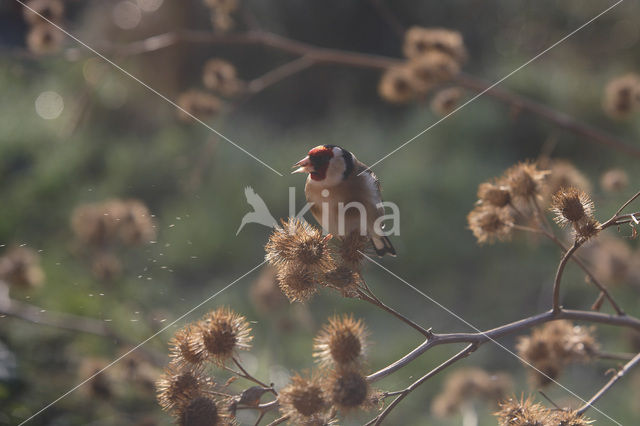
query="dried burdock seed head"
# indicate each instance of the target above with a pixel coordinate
(522, 412)
(20, 267)
(44, 38)
(101, 385)
(571, 205)
(446, 100)
(36, 10)
(564, 174)
(343, 279)
(397, 85)
(303, 399)
(347, 389)
(199, 104)
(350, 249)
(178, 386)
(587, 229)
(614, 180)
(223, 332)
(489, 223)
(297, 282)
(202, 411)
(298, 243)
(621, 96)
(525, 181)
(567, 418)
(106, 266)
(468, 383)
(220, 76)
(135, 223)
(418, 41)
(494, 194)
(342, 341)
(432, 69)
(187, 348)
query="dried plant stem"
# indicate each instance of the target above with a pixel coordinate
(320, 55)
(460, 355)
(628, 366)
(560, 271)
(246, 375)
(366, 294)
(278, 421)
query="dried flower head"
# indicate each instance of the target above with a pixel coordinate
(303, 399)
(446, 100)
(177, 387)
(36, 10)
(297, 282)
(351, 248)
(202, 411)
(347, 389)
(587, 228)
(571, 205)
(467, 383)
(298, 243)
(342, 341)
(489, 223)
(614, 180)
(44, 38)
(523, 412)
(418, 41)
(135, 223)
(621, 96)
(101, 385)
(494, 194)
(525, 181)
(343, 279)
(432, 69)
(568, 418)
(553, 346)
(564, 174)
(223, 332)
(198, 104)
(397, 85)
(220, 76)
(186, 348)
(20, 267)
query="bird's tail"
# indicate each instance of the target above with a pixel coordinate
(383, 246)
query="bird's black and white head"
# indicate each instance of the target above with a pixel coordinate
(327, 165)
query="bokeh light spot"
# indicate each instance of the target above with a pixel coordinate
(49, 105)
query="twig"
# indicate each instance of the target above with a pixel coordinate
(320, 55)
(629, 201)
(460, 355)
(278, 74)
(279, 421)
(628, 366)
(245, 374)
(559, 272)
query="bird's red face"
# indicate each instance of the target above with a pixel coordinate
(316, 163)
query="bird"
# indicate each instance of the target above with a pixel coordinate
(336, 179)
(260, 213)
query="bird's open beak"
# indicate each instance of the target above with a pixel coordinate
(303, 166)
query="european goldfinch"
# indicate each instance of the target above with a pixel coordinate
(336, 179)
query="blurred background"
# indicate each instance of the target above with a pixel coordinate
(81, 141)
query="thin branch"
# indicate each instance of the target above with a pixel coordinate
(628, 366)
(629, 201)
(278, 74)
(460, 355)
(246, 375)
(320, 55)
(559, 272)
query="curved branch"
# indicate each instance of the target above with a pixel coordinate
(559, 272)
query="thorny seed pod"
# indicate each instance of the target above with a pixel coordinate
(445, 101)
(303, 399)
(177, 387)
(223, 332)
(351, 248)
(494, 194)
(198, 104)
(568, 418)
(38, 10)
(614, 180)
(342, 341)
(297, 282)
(571, 205)
(135, 223)
(563, 174)
(220, 76)
(343, 279)
(187, 348)
(489, 223)
(20, 267)
(202, 411)
(300, 244)
(525, 181)
(397, 85)
(621, 96)
(347, 389)
(44, 38)
(432, 69)
(587, 229)
(522, 412)
(418, 41)
(101, 384)
(106, 266)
